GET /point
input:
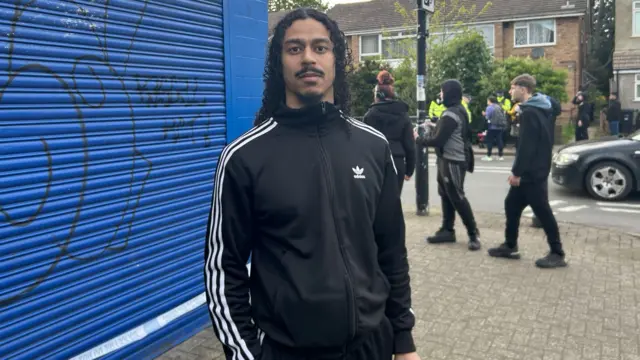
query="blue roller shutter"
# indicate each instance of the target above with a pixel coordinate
(112, 116)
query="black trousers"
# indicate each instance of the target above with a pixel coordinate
(581, 133)
(401, 166)
(377, 345)
(450, 178)
(534, 194)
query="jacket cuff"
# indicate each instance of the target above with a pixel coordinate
(403, 342)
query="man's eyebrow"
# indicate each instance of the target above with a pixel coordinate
(298, 41)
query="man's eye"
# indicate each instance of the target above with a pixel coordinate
(321, 49)
(295, 49)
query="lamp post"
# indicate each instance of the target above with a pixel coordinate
(422, 156)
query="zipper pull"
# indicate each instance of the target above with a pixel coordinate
(324, 111)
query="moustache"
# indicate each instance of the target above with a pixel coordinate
(309, 70)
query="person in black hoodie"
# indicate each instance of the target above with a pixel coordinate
(312, 195)
(390, 116)
(450, 140)
(584, 116)
(556, 110)
(530, 174)
(614, 114)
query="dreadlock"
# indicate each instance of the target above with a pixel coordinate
(274, 90)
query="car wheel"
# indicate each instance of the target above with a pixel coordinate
(608, 181)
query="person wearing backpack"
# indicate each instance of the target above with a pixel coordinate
(496, 122)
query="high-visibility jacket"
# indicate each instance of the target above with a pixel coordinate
(466, 106)
(435, 109)
(505, 103)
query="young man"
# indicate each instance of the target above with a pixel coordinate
(530, 172)
(496, 123)
(312, 196)
(584, 116)
(614, 114)
(450, 140)
(555, 111)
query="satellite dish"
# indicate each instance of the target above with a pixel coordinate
(537, 53)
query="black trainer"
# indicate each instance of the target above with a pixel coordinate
(504, 251)
(442, 236)
(474, 242)
(551, 260)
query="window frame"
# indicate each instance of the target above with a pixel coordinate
(636, 87)
(527, 25)
(361, 54)
(635, 13)
(400, 36)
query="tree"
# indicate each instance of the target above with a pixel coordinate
(278, 5)
(549, 80)
(601, 44)
(361, 84)
(465, 58)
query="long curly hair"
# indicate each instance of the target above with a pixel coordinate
(274, 90)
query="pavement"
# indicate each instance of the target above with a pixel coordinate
(470, 306)
(487, 188)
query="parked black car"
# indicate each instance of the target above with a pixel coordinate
(608, 168)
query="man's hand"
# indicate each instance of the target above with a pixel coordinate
(513, 180)
(407, 178)
(579, 122)
(408, 356)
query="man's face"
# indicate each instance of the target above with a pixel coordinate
(308, 63)
(440, 97)
(612, 97)
(517, 93)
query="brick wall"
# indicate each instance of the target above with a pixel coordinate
(566, 54)
(353, 42)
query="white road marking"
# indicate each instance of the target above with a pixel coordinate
(628, 211)
(556, 202)
(573, 208)
(612, 205)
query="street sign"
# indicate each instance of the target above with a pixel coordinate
(428, 5)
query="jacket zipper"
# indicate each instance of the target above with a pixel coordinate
(330, 185)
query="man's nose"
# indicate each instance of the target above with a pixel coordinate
(309, 57)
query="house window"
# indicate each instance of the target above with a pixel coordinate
(447, 34)
(533, 33)
(636, 18)
(369, 46)
(394, 47)
(487, 32)
(398, 46)
(637, 87)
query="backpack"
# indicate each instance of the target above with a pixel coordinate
(499, 117)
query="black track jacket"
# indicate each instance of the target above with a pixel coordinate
(312, 195)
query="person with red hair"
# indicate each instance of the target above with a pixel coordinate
(389, 115)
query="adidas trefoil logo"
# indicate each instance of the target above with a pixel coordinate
(358, 173)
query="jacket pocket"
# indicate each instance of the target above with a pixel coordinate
(315, 314)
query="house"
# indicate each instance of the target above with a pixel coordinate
(554, 29)
(626, 56)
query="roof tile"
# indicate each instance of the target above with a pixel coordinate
(380, 14)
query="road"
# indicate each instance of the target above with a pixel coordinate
(487, 188)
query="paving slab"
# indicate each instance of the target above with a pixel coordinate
(471, 306)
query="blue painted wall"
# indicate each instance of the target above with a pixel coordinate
(246, 33)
